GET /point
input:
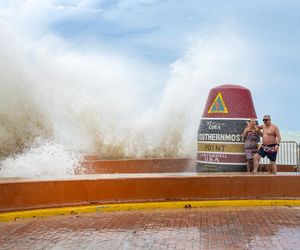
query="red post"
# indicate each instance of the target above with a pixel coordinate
(220, 144)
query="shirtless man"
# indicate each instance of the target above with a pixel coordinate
(270, 144)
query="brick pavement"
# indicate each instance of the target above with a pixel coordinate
(195, 228)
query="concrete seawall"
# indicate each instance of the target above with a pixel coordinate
(22, 194)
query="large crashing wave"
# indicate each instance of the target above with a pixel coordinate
(93, 101)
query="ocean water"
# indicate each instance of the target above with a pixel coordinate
(291, 136)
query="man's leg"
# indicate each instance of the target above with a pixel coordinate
(272, 158)
(256, 162)
(273, 167)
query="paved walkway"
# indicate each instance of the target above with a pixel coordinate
(196, 228)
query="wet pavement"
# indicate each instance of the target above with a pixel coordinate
(191, 228)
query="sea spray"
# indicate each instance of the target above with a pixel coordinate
(43, 159)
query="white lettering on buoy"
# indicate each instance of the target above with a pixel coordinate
(214, 157)
(220, 137)
(213, 125)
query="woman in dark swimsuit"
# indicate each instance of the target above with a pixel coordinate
(251, 136)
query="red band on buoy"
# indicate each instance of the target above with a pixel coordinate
(229, 101)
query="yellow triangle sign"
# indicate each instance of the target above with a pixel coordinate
(218, 105)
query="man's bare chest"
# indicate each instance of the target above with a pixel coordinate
(269, 131)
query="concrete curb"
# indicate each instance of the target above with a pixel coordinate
(14, 216)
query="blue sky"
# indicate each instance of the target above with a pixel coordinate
(162, 33)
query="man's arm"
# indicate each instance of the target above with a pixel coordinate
(259, 131)
(259, 126)
(278, 137)
(277, 134)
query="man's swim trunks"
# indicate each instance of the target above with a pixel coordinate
(250, 145)
(269, 151)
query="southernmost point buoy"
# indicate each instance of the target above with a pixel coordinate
(220, 144)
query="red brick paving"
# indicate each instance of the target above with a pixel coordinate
(196, 228)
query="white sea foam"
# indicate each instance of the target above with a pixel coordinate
(43, 158)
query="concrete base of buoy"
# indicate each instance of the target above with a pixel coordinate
(94, 165)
